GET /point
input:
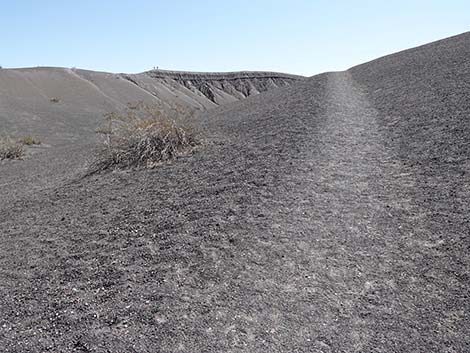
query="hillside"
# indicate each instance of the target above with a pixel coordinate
(70, 102)
(64, 107)
(423, 97)
(327, 216)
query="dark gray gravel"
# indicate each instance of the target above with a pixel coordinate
(317, 218)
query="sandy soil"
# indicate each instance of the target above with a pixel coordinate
(319, 217)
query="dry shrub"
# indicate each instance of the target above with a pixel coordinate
(11, 149)
(30, 140)
(144, 136)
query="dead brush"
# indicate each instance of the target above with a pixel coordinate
(144, 136)
(11, 149)
(30, 140)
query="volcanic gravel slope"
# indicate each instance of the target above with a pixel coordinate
(64, 107)
(330, 216)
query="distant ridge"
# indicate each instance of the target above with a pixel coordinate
(83, 96)
(170, 73)
(219, 75)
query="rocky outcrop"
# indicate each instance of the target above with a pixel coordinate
(213, 88)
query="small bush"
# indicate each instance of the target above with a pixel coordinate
(30, 140)
(144, 136)
(10, 149)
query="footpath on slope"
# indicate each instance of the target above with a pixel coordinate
(381, 273)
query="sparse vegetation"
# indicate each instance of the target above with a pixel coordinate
(14, 148)
(11, 149)
(144, 136)
(54, 100)
(30, 140)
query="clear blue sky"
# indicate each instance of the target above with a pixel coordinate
(295, 36)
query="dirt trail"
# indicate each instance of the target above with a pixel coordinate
(356, 215)
(385, 286)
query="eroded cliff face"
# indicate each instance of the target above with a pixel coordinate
(205, 90)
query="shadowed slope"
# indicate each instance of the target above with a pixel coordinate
(424, 100)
